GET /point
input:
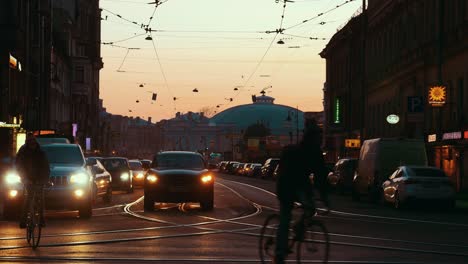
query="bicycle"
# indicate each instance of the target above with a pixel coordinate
(305, 230)
(34, 215)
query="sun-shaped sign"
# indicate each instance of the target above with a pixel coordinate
(437, 95)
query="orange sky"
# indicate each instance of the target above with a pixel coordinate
(201, 47)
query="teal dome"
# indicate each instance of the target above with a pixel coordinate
(262, 111)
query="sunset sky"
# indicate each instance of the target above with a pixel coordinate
(214, 46)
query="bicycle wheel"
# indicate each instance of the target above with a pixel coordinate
(267, 243)
(36, 223)
(316, 243)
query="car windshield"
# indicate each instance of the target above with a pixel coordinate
(135, 165)
(64, 155)
(178, 161)
(426, 172)
(114, 164)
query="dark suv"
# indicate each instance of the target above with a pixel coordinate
(177, 177)
(269, 167)
(121, 173)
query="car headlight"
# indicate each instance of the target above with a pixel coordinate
(152, 178)
(140, 175)
(12, 178)
(79, 178)
(124, 176)
(207, 178)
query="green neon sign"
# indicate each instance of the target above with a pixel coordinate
(337, 111)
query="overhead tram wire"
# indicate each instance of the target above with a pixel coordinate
(278, 31)
(122, 40)
(319, 15)
(162, 71)
(123, 18)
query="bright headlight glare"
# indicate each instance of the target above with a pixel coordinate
(124, 176)
(140, 175)
(79, 178)
(152, 178)
(12, 178)
(207, 178)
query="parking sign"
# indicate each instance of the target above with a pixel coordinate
(415, 104)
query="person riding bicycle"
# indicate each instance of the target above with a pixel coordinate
(294, 184)
(33, 168)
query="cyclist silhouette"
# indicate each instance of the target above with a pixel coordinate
(33, 168)
(294, 183)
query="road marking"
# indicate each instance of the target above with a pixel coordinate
(362, 215)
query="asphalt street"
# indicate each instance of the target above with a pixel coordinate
(120, 232)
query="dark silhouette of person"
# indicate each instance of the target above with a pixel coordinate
(33, 168)
(294, 183)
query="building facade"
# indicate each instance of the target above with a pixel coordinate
(410, 48)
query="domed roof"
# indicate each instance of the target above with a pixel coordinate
(262, 111)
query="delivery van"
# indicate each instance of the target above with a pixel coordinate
(380, 157)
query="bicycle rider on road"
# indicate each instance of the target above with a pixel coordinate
(294, 185)
(33, 168)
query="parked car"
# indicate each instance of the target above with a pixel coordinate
(222, 166)
(138, 172)
(417, 183)
(255, 170)
(176, 177)
(231, 167)
(73, 185)
(379, 158)
(276, 172)
(342, 175)
(102, 179)
(120, 172)
(146, 164)
(240, 169)
(269, 167)
(247, 169)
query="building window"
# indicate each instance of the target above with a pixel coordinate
(80, 50)
(79, 74)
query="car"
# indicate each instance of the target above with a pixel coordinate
(146, 164)
(240, 169)
(276, 172)
(176, 177)
(418, 183)
(380, 157)
(255, 170)
(102, 179)
(52, 139)
(269, 167)
(341, 178)
(138, 172)
(231, 167)
(222, 166)
(121, 173)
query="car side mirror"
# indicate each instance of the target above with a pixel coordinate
(91, 162)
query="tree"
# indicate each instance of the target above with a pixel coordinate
(208, 111)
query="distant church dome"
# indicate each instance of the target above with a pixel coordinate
(281, 119)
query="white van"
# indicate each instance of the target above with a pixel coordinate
(380, 157)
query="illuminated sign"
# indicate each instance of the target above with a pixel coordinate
(437, 95)
(88, 144)
(452, 135)
(14, 63)
(465, 135)
(432, 138)
(393, 119)
(20, 140)
(5, 125)
(337, 111)
(352, 143)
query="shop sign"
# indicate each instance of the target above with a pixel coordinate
(337, 111)
(432, 138)
(452, 135)
(393, 119)
(352, 143)
(437, 95)
(465, 135)
(5, 125)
